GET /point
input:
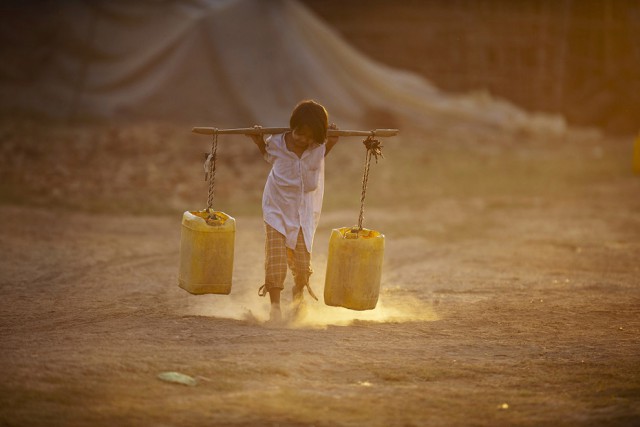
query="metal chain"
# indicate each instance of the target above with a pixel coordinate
(212, 171)
(373, 149)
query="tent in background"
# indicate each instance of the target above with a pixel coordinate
(216, 62)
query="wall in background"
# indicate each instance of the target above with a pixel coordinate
(580, 58)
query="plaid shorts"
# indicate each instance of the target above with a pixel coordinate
(278, 257)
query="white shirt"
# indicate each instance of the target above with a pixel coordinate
(292, 197)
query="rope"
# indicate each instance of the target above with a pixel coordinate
(210, 173)
(373, 149)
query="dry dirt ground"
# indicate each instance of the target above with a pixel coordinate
(510, 296)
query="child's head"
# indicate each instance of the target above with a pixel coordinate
(313, 116)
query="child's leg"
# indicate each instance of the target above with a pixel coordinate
(275, 268)
(299, 261)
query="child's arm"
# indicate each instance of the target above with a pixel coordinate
(331, 141)
(259, 141)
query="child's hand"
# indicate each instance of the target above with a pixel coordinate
(257, 139)
(332, 140)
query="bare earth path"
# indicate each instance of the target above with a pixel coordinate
(494, 311)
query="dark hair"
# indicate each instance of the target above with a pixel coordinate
(310, 113)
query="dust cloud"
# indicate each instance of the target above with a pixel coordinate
(244, 303)
(250, 307)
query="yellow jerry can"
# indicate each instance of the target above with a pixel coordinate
(354, 268)
(206, 252)
(636, 155)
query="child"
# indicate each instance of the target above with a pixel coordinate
(292, 201)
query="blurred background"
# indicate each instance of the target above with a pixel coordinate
(577, 58)
(97, 98)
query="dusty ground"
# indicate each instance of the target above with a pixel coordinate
(510, 294)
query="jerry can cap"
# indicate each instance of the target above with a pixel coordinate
(355, 233)
(207, 220)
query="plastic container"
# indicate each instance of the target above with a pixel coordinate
(206, 252)
(354, 268)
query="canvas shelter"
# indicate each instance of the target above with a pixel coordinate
(215, 62)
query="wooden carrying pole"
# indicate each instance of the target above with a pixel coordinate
(274, 131)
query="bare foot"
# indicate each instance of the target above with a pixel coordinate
(275, 315)
(298, 310)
